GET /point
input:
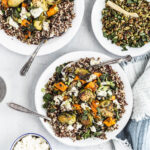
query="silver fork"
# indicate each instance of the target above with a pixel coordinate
(28, 64)
(118, 60)
(126, 58)
(26, 110)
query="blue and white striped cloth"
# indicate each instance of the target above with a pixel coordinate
(137, 132)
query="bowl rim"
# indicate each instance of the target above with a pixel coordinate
(23, 135)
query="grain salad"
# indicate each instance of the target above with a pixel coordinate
(84, 100)
(32, 20)
(127, 31)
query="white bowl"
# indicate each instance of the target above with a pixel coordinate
(53, 44)
(26, 134)
(72, 57)
(112, 48)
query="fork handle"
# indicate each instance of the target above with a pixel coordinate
(26, 110)
(117, 60)
(28, 64)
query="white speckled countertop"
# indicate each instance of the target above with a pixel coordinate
(21, 89)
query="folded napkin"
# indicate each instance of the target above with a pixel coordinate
(136, 135)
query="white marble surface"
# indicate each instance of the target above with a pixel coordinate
(21, 89)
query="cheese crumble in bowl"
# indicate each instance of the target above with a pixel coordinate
(31, 141)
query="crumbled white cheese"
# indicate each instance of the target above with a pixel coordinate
(92, 77)
(58, 99)
(23, 13)
(109, 92)
(70, 128)
(13, 23)
(1, 13)
(45, 26)
(94, 62)
(117, 103)
(93, 129)
(79, 84)
(36, 12)
(63, 79)
(66, 105)
(52, 34)
(99, 123)
(102, 93)
(74, 91)
(70, 79)
(103, 83)
(85, 106)
(79, 125)
(31, 143)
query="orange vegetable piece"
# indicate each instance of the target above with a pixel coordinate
(91, 85)
(95, 103)
(52, 11)
(113, 97)
(61, 86)
(83, 82)
(25, 23)
(77, 78)
(94, 110)
(24, 5)
(94, 106)
(77, 106)
(28, 35)
(109, 122)
(5, 3)
(66, 97)
(98, 74)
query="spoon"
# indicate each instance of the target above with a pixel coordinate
(26, 110)
(119, 9)
(28, 64)
(2, 89)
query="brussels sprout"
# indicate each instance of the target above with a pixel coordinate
(38, 25)
(106, 113)
(104, 88)
(82, 73)
(86, 120)
(40, 3)
(14, 3)
(42, 17)
(53, 2)
(86, 95)
(67, 118)
(110, 107)
(105, 103)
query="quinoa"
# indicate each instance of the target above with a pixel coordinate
(125, 31)
(59, 24)
(54, 110)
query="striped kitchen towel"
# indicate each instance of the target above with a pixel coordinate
(136, 135)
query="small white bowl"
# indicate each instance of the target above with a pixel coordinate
(26, 134)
